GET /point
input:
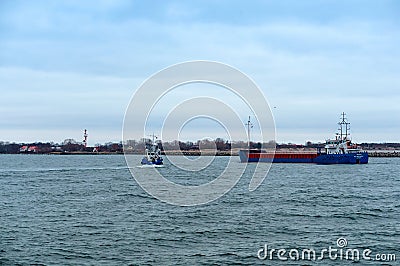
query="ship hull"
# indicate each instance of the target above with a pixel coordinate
(348, 158)
(299, 157)
(145, 161)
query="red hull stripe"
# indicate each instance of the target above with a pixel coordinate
(283, 155)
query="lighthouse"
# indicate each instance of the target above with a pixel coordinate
(85, 136)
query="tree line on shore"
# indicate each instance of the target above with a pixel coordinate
(138, 146)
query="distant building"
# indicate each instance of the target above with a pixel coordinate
(23, 149)
(56, 149)
(33, 149)
(29, 149)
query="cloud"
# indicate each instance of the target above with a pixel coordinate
(82, 61)
(61, 102)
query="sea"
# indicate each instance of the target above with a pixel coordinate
(89, 210)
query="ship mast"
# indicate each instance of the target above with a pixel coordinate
(249, 125)
(343, 122)
(153, 136)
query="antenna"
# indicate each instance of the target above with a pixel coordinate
(249, 125)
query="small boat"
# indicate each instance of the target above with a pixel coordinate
(337, 151)
(152, 154)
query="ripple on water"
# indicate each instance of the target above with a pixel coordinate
(88, 210)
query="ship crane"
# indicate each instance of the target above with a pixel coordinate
(249, 125)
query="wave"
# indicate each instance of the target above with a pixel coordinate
(66, 169)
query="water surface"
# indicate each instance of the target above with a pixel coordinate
(88, 210)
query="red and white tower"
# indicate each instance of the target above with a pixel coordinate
(85, 135)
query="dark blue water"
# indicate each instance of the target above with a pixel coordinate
(88, 210)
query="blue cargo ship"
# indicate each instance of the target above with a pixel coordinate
(337, 151)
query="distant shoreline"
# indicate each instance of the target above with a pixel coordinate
(371, 153)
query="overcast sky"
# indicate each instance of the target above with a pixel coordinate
(70, 65)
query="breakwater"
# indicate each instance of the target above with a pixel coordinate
(383, 153)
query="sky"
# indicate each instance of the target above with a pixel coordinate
(66, 66)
